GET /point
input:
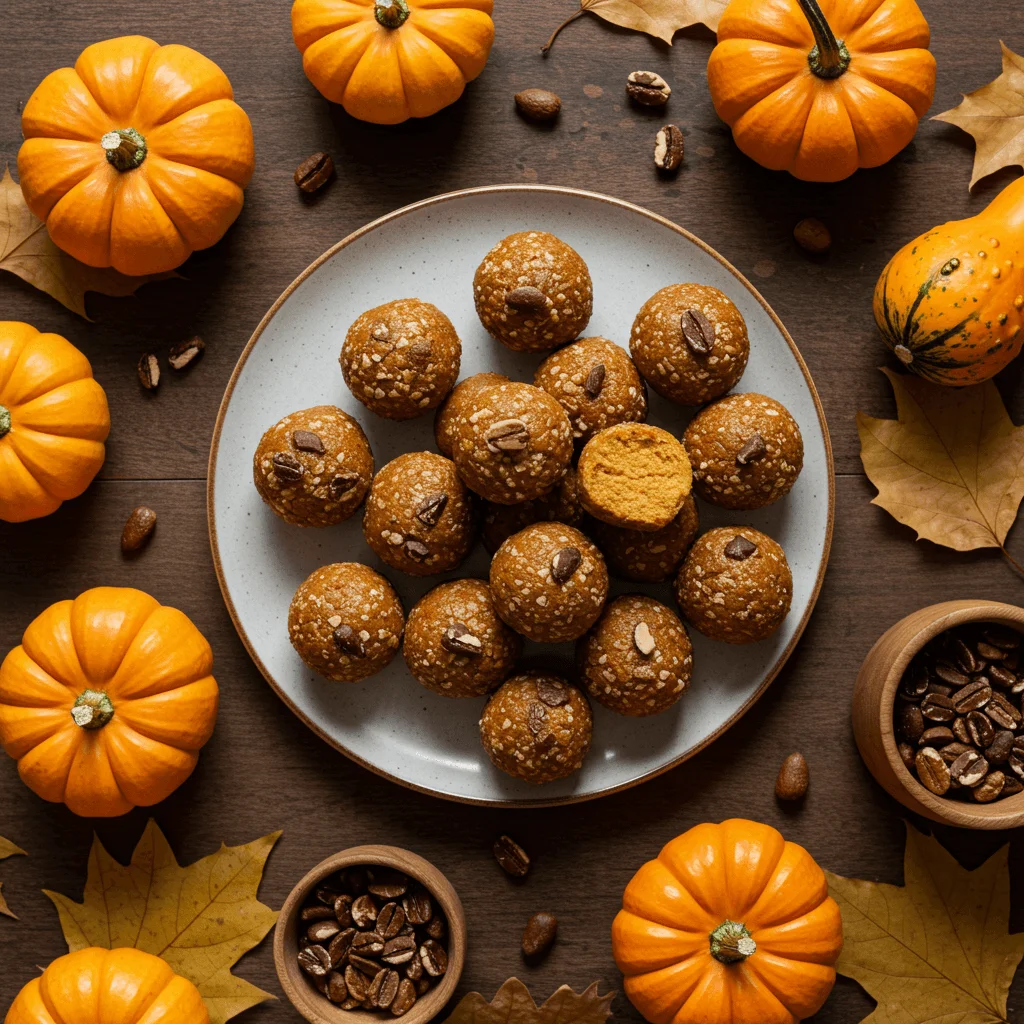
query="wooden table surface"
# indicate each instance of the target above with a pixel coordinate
(263, 770)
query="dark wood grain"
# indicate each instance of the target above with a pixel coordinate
(263, 770)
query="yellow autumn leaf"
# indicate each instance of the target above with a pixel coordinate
(513, 1004)
(935, 950)
(8, 849)
(201, 919)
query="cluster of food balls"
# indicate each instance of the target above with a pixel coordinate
(505, 470)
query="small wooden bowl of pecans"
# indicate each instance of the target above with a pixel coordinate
(373, 933)
(938, 717)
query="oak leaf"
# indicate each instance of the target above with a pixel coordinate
(937, 949)
(27, 250)
(951, 467)
(994, 115)
(201, 919)
(513, 1004)
(8, 849)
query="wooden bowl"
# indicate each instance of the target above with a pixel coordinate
(875, 692)
(315, 1007)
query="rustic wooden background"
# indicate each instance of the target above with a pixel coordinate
(263, 770)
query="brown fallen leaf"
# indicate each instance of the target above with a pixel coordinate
(27, 250)
(8, 849)
(951, 467)
(513, 1004)
(994, 115)
(201, 919)
(658, 18)
(935, 950)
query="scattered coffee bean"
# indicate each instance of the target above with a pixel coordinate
(314, 172)
(357, 983)
(932, 770)
(998, 750)
(138, 529)
(950, 675)
(990, 788)
(399, 950)
(969, 768)
(937, 708)
(149, 372)
(669, 149)
(951, 751)
(564, 563)
(337, 990)
(980, 729)
(812, 236)
(739, 549)
(537, 104)
(990, 651)
(340, 946)
(458, 639)
(507, 436)
(364, 912)
(1003, 637)
(185, 353)
(315, 961)
(431, 508)
(405, 998)
(1002, 676)
(960, 730)
(907, 754)
(418, 907)
(511, 856)
(322, 931)
(527, 299)
(647, 88)
(343, 910)
(434, 958)
(437, 928)
(539, 934)
(752, 451)
(643, 639)
(366, 944)
(1002, 712)
(390, 921)
(1011, 786)
(972, 696)
(315, 913)
(936, 736)
(698, 333)
(793, 778)
(595, 380)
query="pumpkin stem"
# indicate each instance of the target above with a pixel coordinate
(829, 57)
(92, 710)
(391, 13)
(5, 421)
(125, 148)
(731, 943)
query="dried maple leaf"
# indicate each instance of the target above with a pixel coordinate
(951, 467)
(27, 250)
(201, 919)
(513, 1004)
(994, 115)
(8, 849)
(937, 949)
(658, 18)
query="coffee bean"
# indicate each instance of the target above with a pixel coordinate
(965, 657)
(343, 910)
(643, 639)
(416, 549)
(511, 856)
(1001, 676)
(812, 235)
(739, 549)
(337, 990)
(413, 969)
(937, 708)
(911, 723)
(960, 730)
(537, 104)
(539, 934)
(326, 895)
(348, 641)
(972, 696)
(932, 771)
(527, 299)
(364, 912)
(998, 750)
(314, 172)
(564, 563)
(951, 751)
(431, 508)
(989, 788)
(315, 961)
(458, 639)
(138, 530)
(149, 372)
(940, 688)
(355, 880)
(356, 982)
(340, 946)
(418, 906)
(647, 88)
(793, 778)
(510, 435)
(368, 944)
(698, 333)
(1002, 712)
(437, 928)
(364, 964)
(434, 958)
(980, 729)
(287, 468)
(383, 988)
(422, 986)
(595, 380)
(990, 651)
(1003, 637)
(390, 920)
(552, 692)
(669, 149)
(323, 931)
(388, 883)
(185, 353)
(317, 913)
(914, 684)
(399, 950)
(906, 752)
(950, 675)
(405, 998)
(936, 736)
(1012, 786)
(969, 768)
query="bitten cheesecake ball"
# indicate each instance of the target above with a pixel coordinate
(533, 292)
(634, 475)
(549, 582)
(647, 556)
(560, 505)
(746, 451)
(537, 727)
(456, 404)
(596, 383)
(314, 467)
(690, 343)
(419, 515)
(512, 442)
(346, 622)
(637, 659)
(735, 585)
(402, 358)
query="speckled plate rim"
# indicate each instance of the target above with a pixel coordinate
(434, 201)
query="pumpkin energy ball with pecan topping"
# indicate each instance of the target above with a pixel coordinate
(560, 505)
(537, 727)
(735, 585)
(401, 359)
(690, 343)
(314, 467)
(533, 292)
(456, 404)
(455, 644)
(419, 515)
(346, 621)
(746, 451)
(596, 383)
(549, 582)
(637, 659)
(512, 442)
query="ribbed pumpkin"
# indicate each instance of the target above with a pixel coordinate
(53, 422)
(136, 156)
(730, 925)
(388, 60)
(822, 90)
(107, 702)
(108, 986)
(950, 303)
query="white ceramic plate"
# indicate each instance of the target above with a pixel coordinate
(430, 250)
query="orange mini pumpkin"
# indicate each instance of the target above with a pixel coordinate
(822, 90)
(730, 925)
(53, 422)
(388, 60)
(136, 156)
(122, 985)
(107, 702)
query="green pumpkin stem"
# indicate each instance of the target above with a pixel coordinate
(92, 710)
(731, 943)
(5, 421)
(125, 148)
(391, 13)
(829, 57)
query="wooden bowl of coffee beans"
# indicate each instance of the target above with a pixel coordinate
(937, 713)
(370, 934)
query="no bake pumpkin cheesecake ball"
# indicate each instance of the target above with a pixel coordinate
(314, 467)
(456, 404)
(690, 343)
(533, 292)
(419, 515)
(735, 585)
(746, 451)
(637, 659)
(560, 505)
(401, 359)
(537, 727)
(596, 383)
(549, 582)
(455, 644)
(346, 621)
